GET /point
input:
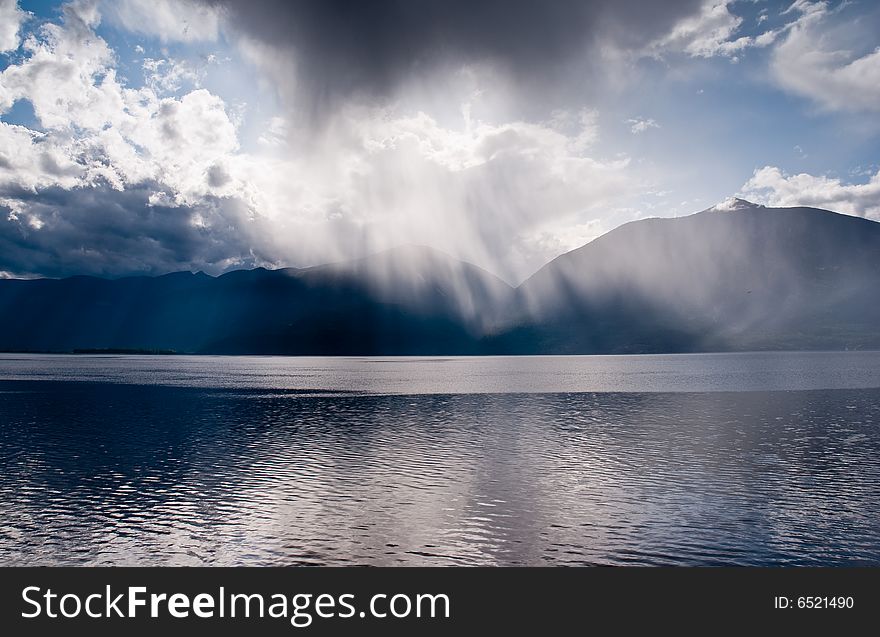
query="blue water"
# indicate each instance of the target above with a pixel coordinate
(755, 459)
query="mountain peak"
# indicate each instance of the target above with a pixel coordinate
(735, 203)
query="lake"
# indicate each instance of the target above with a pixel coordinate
(709, 459)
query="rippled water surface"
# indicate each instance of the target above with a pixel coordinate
(703, 459)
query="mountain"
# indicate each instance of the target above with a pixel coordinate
(406, 301)
(422, 279)
(734, 277)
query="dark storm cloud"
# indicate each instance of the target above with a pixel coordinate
(100, 231)
(346, 46)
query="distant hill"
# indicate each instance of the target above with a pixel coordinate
(421, 279)
(742, 277)
(406, 301)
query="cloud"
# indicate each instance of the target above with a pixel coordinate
(58, 75)
(425, 122)
(816, 60)
(640, 125)
(710, 32)
(119, 179)
(274, 134)
(167, 20)
(477, 189)
(96, 130)
(320, 53)
(61, 232)
(773, 187)
(71, 190)
(11, 19)
(169, 75)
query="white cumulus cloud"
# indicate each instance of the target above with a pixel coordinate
(816, 60)
(167, 20)
(11, 18)
(773, 187)
(97, 129)
(711, 32)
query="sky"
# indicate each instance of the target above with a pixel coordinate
(151, 136)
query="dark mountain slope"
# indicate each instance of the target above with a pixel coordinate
(406, 301)
(422, 279)
(748, 277)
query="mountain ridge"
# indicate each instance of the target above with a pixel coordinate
(741, 276)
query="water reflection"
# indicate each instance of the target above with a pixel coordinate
(104, 473)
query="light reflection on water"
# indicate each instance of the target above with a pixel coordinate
(467, 375)
(265, 473)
